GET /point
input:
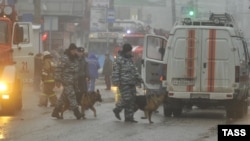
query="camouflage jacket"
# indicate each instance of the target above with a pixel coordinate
(67, 71)
(125, 72)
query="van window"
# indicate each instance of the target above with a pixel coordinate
(155, 48)
(181, 48)
(241, 51)
(222, 45)
(26, 35)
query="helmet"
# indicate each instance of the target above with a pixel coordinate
(46, 53)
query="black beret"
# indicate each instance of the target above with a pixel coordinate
(72, 46)
(126, 48)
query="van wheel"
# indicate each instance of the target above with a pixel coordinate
(8, 107)
(240, 109)
(245, 108)
(167, 110)
(237, 109)
(19, 102)
(230, 113)
(203, 106)
(177, 110)
(230, 110)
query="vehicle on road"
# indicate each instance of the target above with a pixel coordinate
(16, 58)
(207, 64)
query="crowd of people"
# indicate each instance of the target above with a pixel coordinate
(77, 72)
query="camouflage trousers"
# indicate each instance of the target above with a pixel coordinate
(127, 101)
(68, 95)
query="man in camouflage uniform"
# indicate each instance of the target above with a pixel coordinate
(126, 76)
(66, 74)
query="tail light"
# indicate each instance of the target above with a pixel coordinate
(163, 77)
(237, 73)
(164, 72)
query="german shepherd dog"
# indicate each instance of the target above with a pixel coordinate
(87, 102)
(148, 104)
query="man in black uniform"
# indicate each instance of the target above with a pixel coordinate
(83, 75)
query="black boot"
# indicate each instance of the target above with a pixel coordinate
(117, 113)
(131, 120)
(77, 113)
(55, 113)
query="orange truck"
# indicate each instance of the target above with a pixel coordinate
(16, 58)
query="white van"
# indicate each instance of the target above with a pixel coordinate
(206, 64)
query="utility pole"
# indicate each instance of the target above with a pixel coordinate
(108, 24)
(173, 12)
(37, 11)
(37, 19)
(86, 21)
(111, 6)
(227, 5)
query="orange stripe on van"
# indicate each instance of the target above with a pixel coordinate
(190, 57)
(211, 60)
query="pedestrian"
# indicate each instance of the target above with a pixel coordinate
(93, 66)
(107, 71)
(83, 76)
(48, 72)
(66, 74)
(125, 75)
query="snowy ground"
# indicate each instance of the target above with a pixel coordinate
(35, 123)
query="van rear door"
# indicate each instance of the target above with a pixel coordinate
(217, 63)
(153, 66)
(202, 61)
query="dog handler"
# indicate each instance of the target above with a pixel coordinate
(126, 76)
(83, 75)
(66, 74)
